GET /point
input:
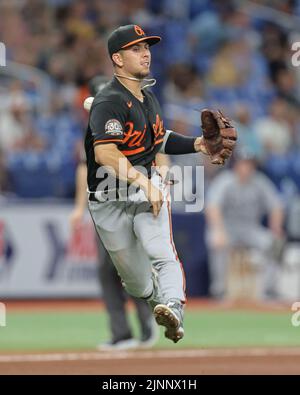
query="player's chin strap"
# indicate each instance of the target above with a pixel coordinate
(151, 81)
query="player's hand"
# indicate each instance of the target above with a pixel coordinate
(200, 145)
(219, 136)
(155, 197)
(76, 218)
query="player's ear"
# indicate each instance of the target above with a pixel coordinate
(117, 59)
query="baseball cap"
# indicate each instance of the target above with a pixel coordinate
(125, 36)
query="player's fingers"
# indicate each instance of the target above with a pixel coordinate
(226, 153)
(155, 209)
(217, 160)
(230, 144)
(229, 133)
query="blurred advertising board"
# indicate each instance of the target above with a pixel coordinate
(41, 257)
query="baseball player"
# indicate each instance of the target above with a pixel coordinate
(113, 293)
(127, 199)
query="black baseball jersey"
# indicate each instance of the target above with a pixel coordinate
(118, 117)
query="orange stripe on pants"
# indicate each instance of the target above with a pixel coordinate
(175, 252)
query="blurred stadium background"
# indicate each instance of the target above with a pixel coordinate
(232, 55)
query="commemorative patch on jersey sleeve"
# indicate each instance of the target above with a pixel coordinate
(113, 127)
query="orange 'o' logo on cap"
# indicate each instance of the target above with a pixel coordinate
(139, 31)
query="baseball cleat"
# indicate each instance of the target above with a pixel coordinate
(165, 316)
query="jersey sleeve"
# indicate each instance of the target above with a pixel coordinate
(107, 123)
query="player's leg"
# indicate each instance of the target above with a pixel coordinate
(156, 237)
(114, 298)
(115, 228)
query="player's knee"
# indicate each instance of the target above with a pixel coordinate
(139, 291)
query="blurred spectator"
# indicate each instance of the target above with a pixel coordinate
(225, 70)
(60, 128)
(273, 130)
(207, 30)
(17, 131)
(213, 54)
(275, 47)
(287, 86)
(184, 84)
(237, 202)
(246, 132)
(286, 6)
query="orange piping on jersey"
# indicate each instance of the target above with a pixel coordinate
(158, 141)
(132, 152)
(175, 252)
(107, 141)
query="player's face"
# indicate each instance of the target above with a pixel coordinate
(137, 60)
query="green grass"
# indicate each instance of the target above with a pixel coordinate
(83, 330)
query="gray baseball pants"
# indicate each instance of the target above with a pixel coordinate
(137, 243)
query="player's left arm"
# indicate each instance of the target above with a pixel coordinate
(178, 144)
(218, 138)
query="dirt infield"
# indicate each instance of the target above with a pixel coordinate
(96, 305)
(161, 362)
(285, 360)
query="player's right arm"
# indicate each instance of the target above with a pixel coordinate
(107, 123)
(110, 156)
